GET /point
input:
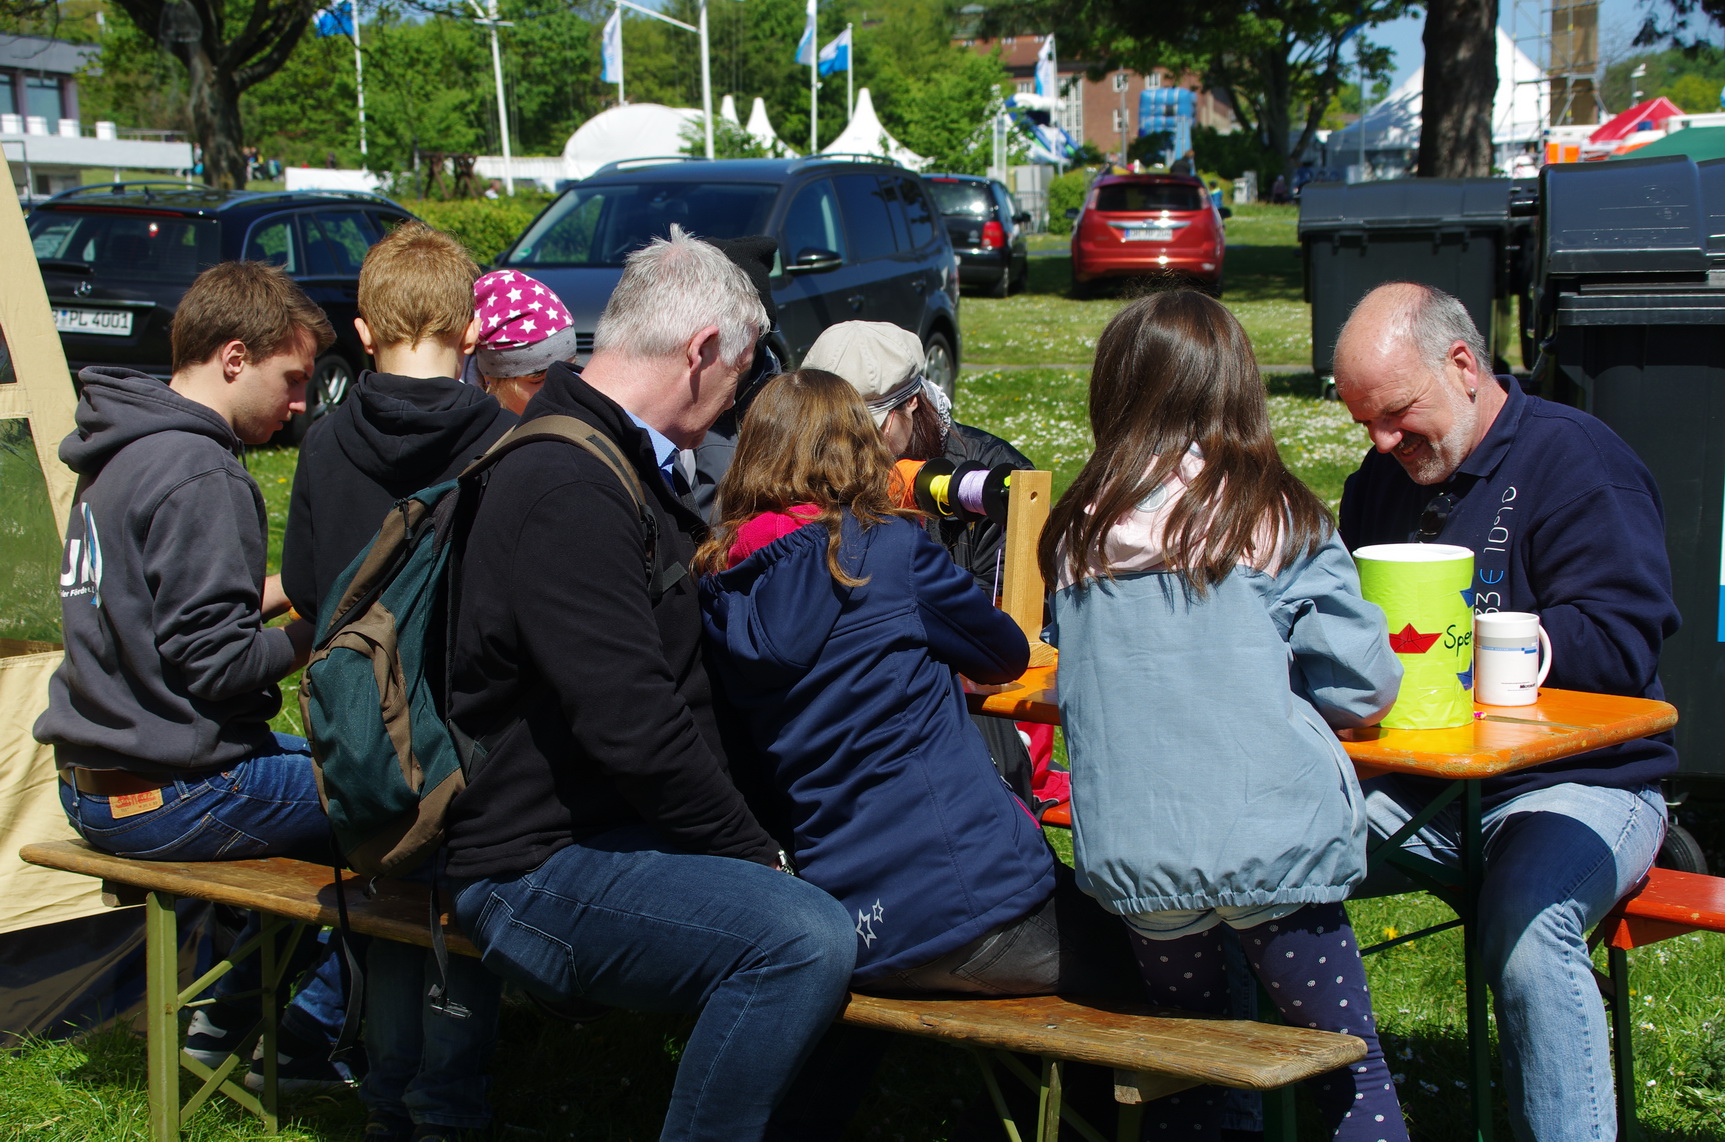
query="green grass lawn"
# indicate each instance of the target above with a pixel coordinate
(609, 1081)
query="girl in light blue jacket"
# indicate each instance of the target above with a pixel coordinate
(1211, 634)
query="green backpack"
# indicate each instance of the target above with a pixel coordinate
(374, 697)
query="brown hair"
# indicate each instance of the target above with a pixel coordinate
(806, 439)
(416, 282)
(513, 391)
(927, 434)
(1175, 369)
(253, 303)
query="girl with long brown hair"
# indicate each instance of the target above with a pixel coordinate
(837, 629)
(1211, 634)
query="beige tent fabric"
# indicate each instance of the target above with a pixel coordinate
(29, 798)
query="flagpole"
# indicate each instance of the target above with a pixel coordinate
(814, 78)
(359, 79)
(620, 99)
(706, 82)
(850, 74)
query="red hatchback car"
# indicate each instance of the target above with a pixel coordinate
(1134, 225)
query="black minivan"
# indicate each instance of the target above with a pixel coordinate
(857, 240)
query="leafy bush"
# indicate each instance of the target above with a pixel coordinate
(484, 225)
(1066, 193)
(1231, 155)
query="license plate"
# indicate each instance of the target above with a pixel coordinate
(107, 322)
(1147, 236)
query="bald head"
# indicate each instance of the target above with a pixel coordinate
(1414, 371)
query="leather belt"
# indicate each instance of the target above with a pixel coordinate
(108, 782)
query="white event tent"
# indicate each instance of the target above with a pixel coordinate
(762, 129)
(864, 135)
(1392, 128)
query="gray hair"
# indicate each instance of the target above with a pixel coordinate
(672, 288)
(1436, 320)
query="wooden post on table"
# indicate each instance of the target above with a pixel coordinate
(1021, 583)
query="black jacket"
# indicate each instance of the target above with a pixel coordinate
(392, 437)
(556, 619)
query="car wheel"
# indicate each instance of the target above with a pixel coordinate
(941, 366)
(1004, 286)
(1681, 852)
(331, 380)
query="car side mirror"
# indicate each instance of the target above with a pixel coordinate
(811, 259)
(1072, 213)
(1225, 212)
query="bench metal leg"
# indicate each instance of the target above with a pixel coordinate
(1623, 1044)
(161, 1020)
(1048, 1101)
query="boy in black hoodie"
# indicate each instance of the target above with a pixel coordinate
(407, 426)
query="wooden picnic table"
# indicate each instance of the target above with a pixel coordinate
(1500, 740)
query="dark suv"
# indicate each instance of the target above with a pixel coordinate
(116, 260)
(987, 230)
(857, 241)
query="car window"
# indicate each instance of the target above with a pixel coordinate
(812, 222)
(159, 248)
(917, 211)
(602, 225)
(965, 199)
(868, 222)
(1131, 196)
(272, 241)
(343, 236)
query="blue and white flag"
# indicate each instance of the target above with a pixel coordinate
(611, 48)
(1047, 71)
(806, 45)
(836, 56)
(335, 20)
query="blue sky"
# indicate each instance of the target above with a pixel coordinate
(1618, 20)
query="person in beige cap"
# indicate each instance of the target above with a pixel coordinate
(884, 363)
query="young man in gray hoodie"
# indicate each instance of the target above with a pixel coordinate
(159, 714)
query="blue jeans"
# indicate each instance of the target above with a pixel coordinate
(426, 1066)
(1556, 860)
(626, 921)
(264, 806)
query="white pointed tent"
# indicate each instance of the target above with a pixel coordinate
(762, 129)
(728, 110)
(864, 135)
(1392, 128)
(633, 131)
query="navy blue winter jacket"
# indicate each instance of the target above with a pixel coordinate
(854, 713)
(1564, 520)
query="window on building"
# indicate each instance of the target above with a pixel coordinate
(1122, 80)
(8, 96)
(1154, 79)
(1072, 109)
(1026, 86)
(42, 97)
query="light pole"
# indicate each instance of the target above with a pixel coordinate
(706, 64)
(487, 17)
(1636, 77)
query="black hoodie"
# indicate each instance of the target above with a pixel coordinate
(392, 437)
(168, 665)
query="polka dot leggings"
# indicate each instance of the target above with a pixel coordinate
(1310, 965)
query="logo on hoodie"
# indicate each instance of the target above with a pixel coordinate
(81, 568)
(867, 918)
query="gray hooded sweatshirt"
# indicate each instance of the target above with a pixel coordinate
(169, 669)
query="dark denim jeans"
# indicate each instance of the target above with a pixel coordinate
(264, 806)
(626, 921)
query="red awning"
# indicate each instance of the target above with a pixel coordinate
(1648, 116)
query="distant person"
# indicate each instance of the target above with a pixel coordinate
(160, 714)
(1188, 563)
(524, 329)
(1279, 190)
(407, 425)
(1186, 164)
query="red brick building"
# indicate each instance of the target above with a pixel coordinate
(1100, 112)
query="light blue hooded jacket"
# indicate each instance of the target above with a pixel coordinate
(1204, 770)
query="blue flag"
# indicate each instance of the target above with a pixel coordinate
(836, 56)
(806, 45)
(335, 20)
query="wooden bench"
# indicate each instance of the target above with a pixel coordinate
(1153, 1053)
(1666, 904)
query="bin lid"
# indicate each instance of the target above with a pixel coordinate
(1636, 216)
(1403, 203)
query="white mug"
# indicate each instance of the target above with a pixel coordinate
(1511, 657)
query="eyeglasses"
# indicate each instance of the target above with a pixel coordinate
(1434, 517)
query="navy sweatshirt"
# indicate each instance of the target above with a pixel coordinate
(1565, 521)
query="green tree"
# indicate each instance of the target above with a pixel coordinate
(1278, 62)
(1460, 84)
(1690, 78)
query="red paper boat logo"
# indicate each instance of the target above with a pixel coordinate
(1410, 641)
